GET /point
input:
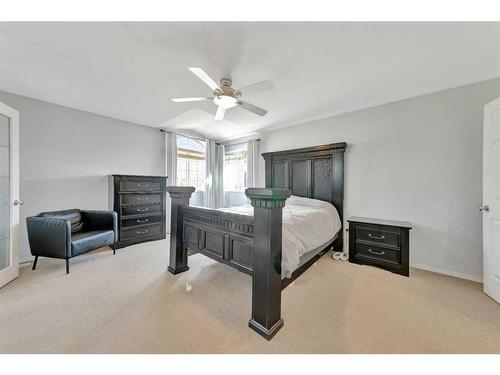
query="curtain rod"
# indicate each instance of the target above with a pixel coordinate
(194, 136)
(188, 135)
(244, 141)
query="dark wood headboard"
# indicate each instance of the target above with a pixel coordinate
(313, 172)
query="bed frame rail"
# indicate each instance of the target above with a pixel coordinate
(225, 237)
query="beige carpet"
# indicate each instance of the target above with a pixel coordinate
(128, 303)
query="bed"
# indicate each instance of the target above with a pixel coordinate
(286, 228)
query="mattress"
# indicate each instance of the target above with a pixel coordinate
(308, 225)
(311, 254)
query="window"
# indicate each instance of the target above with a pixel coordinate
(235, 174)
(191, 162)
(235, 167)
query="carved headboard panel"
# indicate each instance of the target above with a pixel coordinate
(313, 172)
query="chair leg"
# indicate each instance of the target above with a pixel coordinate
(67, 266)
(34, 263)
(114, 248)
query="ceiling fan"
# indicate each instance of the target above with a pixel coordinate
(225, 97)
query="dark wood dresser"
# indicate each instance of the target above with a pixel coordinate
(381, 243)
(139, 202)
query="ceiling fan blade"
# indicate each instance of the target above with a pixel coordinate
(256, 87)
(252, 108)
(199, 99)
(200, 73)
(219, 115)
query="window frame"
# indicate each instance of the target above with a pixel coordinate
(234, 149)
(186, 155)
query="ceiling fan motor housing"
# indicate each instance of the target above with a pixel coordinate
(227, 82)
(227, 96)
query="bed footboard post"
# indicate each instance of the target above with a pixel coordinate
(179, 196)
(266, 279)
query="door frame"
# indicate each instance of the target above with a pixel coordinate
(11, 272)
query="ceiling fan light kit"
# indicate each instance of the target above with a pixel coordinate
(225, 101)
(225, 97)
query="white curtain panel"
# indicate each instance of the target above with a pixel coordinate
(253, 155)
(214, 181)
(170, 157)
(170, 170)
(208, 199)
(219, 191)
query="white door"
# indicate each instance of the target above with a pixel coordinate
(491, 200)
(9, 194)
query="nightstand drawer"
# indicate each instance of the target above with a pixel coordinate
(377, 236)
(378, 253)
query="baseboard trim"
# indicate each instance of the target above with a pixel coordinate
(447, 272)
(25, 262)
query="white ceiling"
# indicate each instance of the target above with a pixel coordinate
(130, 71)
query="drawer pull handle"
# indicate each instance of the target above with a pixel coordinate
(376, 252)
(142, 231)
(376, 237)
(142, 184)
(142, 198)
(142, 209)
(142, 221)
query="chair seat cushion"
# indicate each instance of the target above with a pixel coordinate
(83, 242)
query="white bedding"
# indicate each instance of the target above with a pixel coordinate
(307, 225)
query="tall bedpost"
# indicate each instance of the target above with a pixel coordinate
(179, 196)
(268, 205)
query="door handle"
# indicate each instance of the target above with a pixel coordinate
(18, 203)
(484, 208)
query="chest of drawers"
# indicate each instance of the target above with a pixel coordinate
(139, 202)
(381, 243)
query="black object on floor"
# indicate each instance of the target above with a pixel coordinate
(381, 243)
(69, 233)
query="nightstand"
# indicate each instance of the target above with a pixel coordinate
(380, 243)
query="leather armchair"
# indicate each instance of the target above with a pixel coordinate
(69, 233)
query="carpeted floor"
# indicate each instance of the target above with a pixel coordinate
(128, 303)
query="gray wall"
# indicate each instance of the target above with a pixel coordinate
(418, 160)
(66, 155)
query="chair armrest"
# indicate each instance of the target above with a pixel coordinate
(49, 236)
(100, 220)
